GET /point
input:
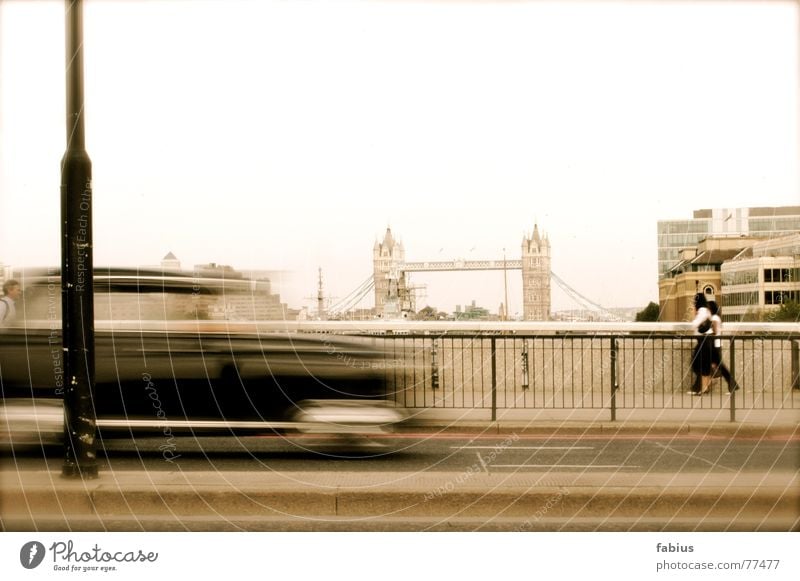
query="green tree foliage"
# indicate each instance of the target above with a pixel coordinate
(754, 316)
(429, 314)
(649, 313)
(789, 312)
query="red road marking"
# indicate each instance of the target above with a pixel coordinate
(539, 437)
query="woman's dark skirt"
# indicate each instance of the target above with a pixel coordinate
(703, 355)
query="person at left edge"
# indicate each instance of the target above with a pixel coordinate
(8, 310)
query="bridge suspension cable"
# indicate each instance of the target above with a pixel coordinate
(365, 283)
(368, 285)
(357, 299)
(354, 297)
(584, 302)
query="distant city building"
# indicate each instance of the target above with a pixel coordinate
(613, 314)
(473, 312)
(363, 314)
(244, 299)
(214, 270)
(759, 222)
(247, 295)
(170, 262)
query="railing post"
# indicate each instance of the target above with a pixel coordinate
(732, 371)
(614, 386)
(434, 366)
(525, 365)
(494, 380)
(795, 364)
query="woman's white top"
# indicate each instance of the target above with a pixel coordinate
(703, 314)
(716, 329)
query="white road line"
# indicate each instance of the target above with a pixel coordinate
(693, 457)
(522, 448)
(561, 466)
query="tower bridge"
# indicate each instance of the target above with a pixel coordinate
(394, 295)
(445, 265)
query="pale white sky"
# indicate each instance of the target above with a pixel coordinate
(287, 135)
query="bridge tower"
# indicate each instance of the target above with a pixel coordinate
(536, 276)
(390, 280)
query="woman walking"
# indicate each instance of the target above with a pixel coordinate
(716, 353)
(703, 351)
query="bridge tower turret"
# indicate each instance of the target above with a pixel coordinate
(536, 276)
(390, 283)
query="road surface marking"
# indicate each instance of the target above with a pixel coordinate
(694, 457)
(561, 466)
(522, 447)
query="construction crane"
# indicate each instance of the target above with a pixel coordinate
(322, 312)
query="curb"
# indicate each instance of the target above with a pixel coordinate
(216, 503)
(555, 429)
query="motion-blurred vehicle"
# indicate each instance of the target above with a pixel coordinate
(168, 362)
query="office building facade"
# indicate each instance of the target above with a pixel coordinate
(759, 222)
(748, 277)
(761, 278)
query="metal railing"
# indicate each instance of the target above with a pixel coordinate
(562, 366)
(598, 371)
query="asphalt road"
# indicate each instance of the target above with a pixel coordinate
(443, 452)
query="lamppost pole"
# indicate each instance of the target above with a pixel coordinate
(77, 267)
(505, 287)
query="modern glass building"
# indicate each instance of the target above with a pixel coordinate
(761, 278)
(764, 222)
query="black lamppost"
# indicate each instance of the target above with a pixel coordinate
(77, 267)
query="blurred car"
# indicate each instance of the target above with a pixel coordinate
(164, 363)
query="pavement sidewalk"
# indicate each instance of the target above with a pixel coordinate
(136, 500)
(471, 499)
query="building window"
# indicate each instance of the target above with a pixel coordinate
(780, 297)
(740, 299)
(778, 274)
(740, 277)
